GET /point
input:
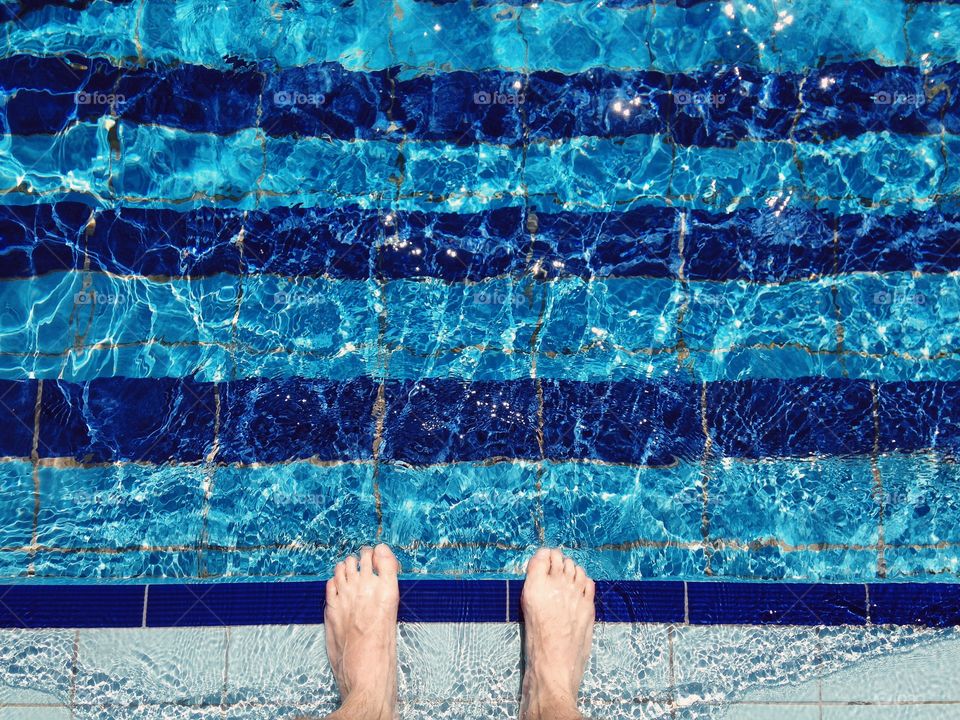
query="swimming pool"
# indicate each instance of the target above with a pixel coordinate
(671, 285)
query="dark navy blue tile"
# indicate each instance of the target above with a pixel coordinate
(631, 243)
(640, 601)
(761, 245)
(844, 100)
(242, 603)
(71, 606)
(18, 402)
(919, 416)
(786, 418)
(328, 100)
(514, 593)
(453, 601)
(936, 604)
(454, 246)
(642, 422)
(165, 242)
(443, 420)
(35, 239)
(111, 419)
(925, 241)
(462, 108)
(337, 242)
(761, 603)
(265, 420)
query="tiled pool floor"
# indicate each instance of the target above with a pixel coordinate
(473, 671)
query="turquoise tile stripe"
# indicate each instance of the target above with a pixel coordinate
(283, 519)
(567, 37)
(247, 170)
(891, 326)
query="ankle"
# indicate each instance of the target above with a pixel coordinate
(546, 704)
(360, 705)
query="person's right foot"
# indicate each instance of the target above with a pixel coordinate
(558, 613)
(360, 622)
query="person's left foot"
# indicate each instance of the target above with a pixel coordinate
(360, 622)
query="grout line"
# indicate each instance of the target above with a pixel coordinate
(74, 667)
(146, 593)
(672, 695)
(35, 461)
(705, 476)
(866, 588)
(686, 604)
(878, 491)
(226, 671)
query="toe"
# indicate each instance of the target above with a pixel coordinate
(385, 562)
(340, 574)
(590, 589)
(352, 570)
(580, 577)
(569, 568)
(366, 561)
(556, 562)
(331, 591)
(539, 564)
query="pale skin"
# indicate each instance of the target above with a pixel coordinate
(361, 633)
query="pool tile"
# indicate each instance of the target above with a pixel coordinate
(298, 502)
(17, 403)
(776, 603)
(638, 422)
(888, 712)
(70, 606)
(919, 416)
(758, 418)
(593, 505)
(629, 662)
(781, 711)
(447, 420)
(265, 420)
(249, 603)
(46, 712)
(138, 666)
(35, 667)
(459, 662)
(120, 506)
(267, 563)
(796, 502)
(459, 503)
(449, 600)
(920, 500)
(130, 564)
(815, 564)
(111, 419)
(16, 503)
(919, 603)
(921, 674)
(279, 664)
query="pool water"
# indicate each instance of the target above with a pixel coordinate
(673, 285)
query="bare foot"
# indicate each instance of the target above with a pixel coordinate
(558, 614)
(360, 622)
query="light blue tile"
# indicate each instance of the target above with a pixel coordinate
(774, 563)
(588, 504)
(765, 712)
(121, 506)
(797, 502)
(16, 503)
(294, 503)
(459, 662)
(459, 503)
(280, 664)
(727, 662)
(48, 712)
(921, 500)
(155, 665)
(129, 565)
(35, 666)
(926, 672)
(889, 712)
(628, 662)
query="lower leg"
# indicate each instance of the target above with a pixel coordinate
(558, 614)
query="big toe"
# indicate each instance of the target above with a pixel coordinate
(385, 562)
(539, 564)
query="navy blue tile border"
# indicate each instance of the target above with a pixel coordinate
(117, 419)
(934, 604)
(351, 243)
(716, 108)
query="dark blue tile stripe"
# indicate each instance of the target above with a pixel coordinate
(661, 601)
(350, 243)
(448, 420)
(715, 108)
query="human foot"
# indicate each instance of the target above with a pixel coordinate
(557, 603)
(360, 622)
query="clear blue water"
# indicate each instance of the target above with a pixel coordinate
(673, 287)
